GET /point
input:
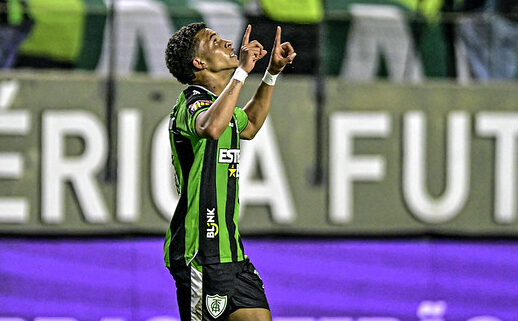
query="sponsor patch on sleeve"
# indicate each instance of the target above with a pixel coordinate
(199, 104)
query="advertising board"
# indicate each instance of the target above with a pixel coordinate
(305, 280)
(421, 159)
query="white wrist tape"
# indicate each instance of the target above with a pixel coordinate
(269, 79)
(240, 75)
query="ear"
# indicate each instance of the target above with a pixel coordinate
(199, 64)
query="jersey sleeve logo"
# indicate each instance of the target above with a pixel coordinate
(199, 104)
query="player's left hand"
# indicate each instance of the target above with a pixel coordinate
(282, 54)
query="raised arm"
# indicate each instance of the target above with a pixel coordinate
(259, 105)
(212, 122)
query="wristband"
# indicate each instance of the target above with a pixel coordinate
(269, 79)
(240, 75)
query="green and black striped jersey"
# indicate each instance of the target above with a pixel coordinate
(204, 226)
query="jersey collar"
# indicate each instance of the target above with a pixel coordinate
(201, 87)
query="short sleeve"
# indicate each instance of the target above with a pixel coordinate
(241, 118)
(194, 110)
(185, 119)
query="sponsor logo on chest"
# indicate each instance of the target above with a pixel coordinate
(230, 156)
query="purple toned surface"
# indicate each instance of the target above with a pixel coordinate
(94, 279)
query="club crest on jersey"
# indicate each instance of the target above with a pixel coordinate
(216, 305)
(212, 226)
(199, 104)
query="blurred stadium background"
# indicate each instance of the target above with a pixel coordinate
(382, 187)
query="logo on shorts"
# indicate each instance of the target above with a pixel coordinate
(216, 305)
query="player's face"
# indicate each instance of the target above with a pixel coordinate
(216, 52)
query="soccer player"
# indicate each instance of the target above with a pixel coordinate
(203, 251)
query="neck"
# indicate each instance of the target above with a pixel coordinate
(215, 82)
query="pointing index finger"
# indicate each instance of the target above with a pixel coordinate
(278, 37)
(247, 35)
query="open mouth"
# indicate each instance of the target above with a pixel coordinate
(233, 54)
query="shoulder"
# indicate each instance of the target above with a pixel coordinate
(196, 93)
(196, 98)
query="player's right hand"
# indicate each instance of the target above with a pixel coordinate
(251, 52)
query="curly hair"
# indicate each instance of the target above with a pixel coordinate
(180, 52)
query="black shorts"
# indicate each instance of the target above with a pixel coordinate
(217, 290)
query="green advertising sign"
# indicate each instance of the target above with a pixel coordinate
(400, 159)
